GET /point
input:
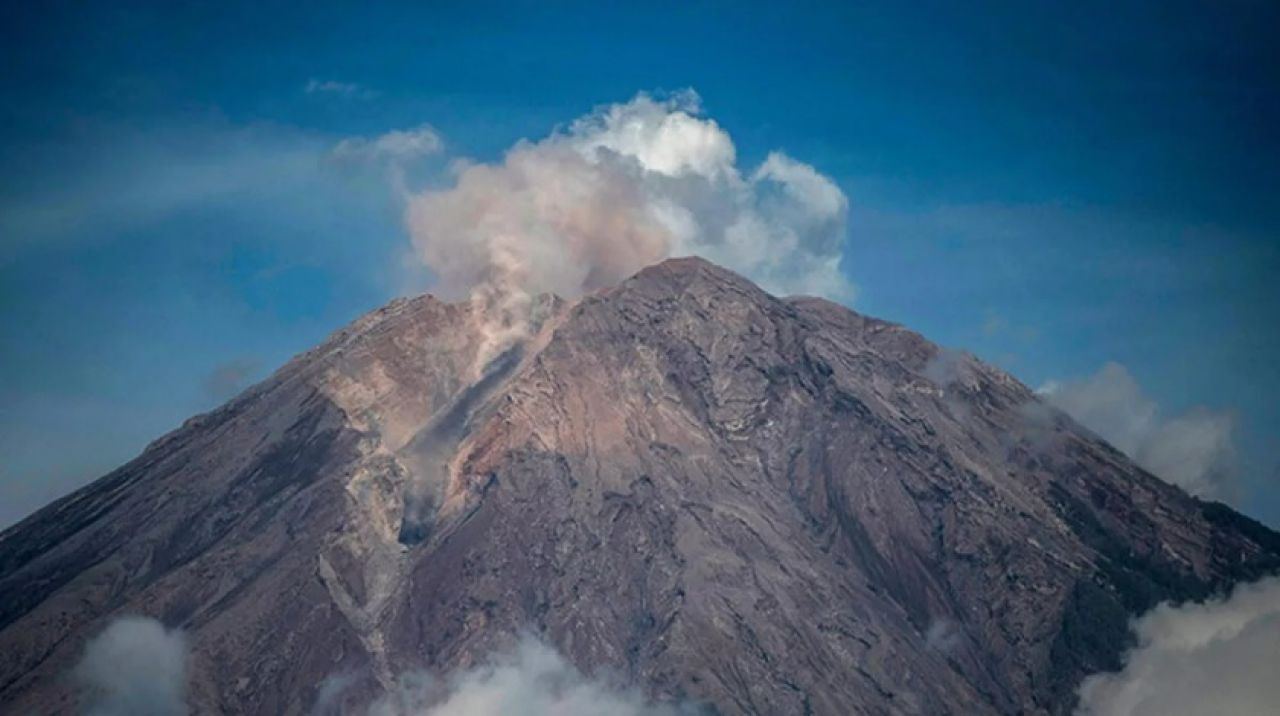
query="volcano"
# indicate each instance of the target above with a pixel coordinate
(754, 504)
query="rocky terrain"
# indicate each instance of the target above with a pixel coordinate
(758, 504)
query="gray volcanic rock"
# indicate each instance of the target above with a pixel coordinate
(768, 506)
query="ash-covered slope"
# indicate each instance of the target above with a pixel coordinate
(770, 506)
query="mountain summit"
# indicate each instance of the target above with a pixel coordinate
(758, 504)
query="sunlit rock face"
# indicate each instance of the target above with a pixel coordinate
(720, 497)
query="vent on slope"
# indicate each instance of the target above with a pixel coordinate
(430, 452)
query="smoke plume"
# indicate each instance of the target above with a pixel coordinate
(135, 667)
(622, 188)
(1219, 657)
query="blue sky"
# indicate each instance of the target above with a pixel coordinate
(1049, 188)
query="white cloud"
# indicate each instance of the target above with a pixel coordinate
(399, 145)
(622, 188)
(1219, 657)
(1193, 450)
(349, 90)
(135, 667)
(531, 680)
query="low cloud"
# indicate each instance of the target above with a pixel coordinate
(619, 189)
(135, 667)
(1193, 450)
(945, 367)
(531, 680)
(943, 636)
(347, 90)
(1219, 657)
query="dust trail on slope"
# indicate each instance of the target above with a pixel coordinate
(429, 453)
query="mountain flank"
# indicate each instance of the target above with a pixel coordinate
(760, 505)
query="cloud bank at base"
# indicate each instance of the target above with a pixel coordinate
(1219, 657)
(531, 680)
(135, 667)
(1193, 450)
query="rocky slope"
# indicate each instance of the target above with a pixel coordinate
(768, 506)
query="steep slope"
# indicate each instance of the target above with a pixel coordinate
(766, 505)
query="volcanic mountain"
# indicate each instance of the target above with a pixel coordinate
(760, 505)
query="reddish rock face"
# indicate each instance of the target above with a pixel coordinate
(769, 506)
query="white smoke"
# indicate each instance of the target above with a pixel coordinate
(622, 188)
(135, 667)
(1193, 450)
(1219, 657)
(531, 680)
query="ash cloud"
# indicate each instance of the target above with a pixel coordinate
(532, 680)
(1217, 657)
(617, 190)
(1193, 450)
(135, 667)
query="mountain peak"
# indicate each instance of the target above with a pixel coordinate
(687, 273)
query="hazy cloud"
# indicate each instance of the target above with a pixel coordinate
(943, 636)
(135, 667)
(1193, 450)
(399, 145)
(1219, 657)
(348, 90)
(531, 680)
(329, 696)
(945, 366)
(126, 180)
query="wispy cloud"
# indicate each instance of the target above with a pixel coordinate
(397, 145)
(1218, 657)
(127, 178)
(1193, 450)
(345, 90)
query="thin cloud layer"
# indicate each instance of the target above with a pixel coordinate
(135, 667)
(622, 188)
(1219, 657)
(1193, 450)
(348, 90)
(397, 145)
